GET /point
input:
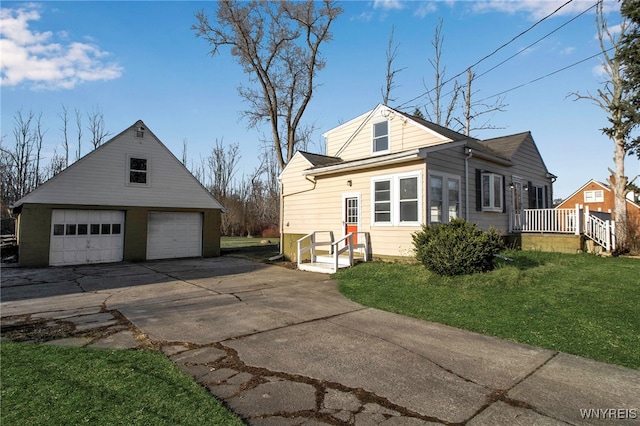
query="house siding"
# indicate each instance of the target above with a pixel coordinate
(304, 214)
(315, 203)
(403, 135)
(101, 178)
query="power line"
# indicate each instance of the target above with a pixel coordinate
(547, 75)
(537, 41)
(490, 54)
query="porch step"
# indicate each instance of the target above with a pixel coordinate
(325, 264)
(322, 267)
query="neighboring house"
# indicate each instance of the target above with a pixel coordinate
(130, 199)
(598, 197)
(387, 173)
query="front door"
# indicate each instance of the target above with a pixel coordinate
(352, 216)
(516, 204)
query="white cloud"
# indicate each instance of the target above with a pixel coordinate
(425, 8)
(387, 4)
(35, 58)
(537, 9)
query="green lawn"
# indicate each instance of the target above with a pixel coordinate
(579, 304)
(241, 242)
(55, 385)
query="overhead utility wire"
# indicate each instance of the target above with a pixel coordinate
(537, 41)
(547, 75)
(492, 53)
(532, 44)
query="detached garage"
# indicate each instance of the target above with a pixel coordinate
(131, 199)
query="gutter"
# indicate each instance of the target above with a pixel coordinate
(282, 197)
(367, 163)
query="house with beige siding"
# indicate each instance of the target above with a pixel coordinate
(130, 199)
(386, 173)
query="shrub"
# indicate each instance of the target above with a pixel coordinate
(456, 248)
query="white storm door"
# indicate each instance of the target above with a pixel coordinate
(173, 235)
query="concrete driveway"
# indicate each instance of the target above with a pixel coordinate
(283, 347)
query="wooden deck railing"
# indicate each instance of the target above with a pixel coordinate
(577, 221)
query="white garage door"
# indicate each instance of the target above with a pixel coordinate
(172, 235)
(86, 236)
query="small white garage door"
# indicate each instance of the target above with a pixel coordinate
(172, 235)
(86, 236)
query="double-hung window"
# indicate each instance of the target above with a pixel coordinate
(397, 199)
(138, 171)
(444, 197)
(380, 137)
(492, 192)
(382, 201)
(595, 196)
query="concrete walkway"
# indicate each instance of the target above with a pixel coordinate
(283, 347)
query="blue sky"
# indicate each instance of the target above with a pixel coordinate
(141, 60)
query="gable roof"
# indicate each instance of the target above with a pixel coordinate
(506, 146)
(441, 130)
(603, 185)
(100, 178)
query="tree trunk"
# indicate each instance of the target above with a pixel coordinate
(619, 185)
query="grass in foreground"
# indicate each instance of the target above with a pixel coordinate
(579, 304)
(54, 385)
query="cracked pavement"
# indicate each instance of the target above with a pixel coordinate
(283, 347)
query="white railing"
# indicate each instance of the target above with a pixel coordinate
(576, 221)
(313, 242)
(309, 243)
(563, 221)
(600, 231)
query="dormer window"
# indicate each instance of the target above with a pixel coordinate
(381, 137)
(138, 171)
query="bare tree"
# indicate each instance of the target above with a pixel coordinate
(222, 165)
(610, 98)
(437, 111)
(64, 117)
(18, 161)
(278, 45)
(184, 152)
(79, 133)
(96, 127)
(38, 136)
(391, 54)
(472, 111)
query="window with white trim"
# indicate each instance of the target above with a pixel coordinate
(595, 196)
(492, 192)
(382, 201)
(138, 171)
(444, 197)
(380, 137)
(397, 200)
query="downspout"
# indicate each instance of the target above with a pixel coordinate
(282, 207)
(466, 182)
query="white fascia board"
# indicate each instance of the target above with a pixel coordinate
(358, 118)
(367, 163)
